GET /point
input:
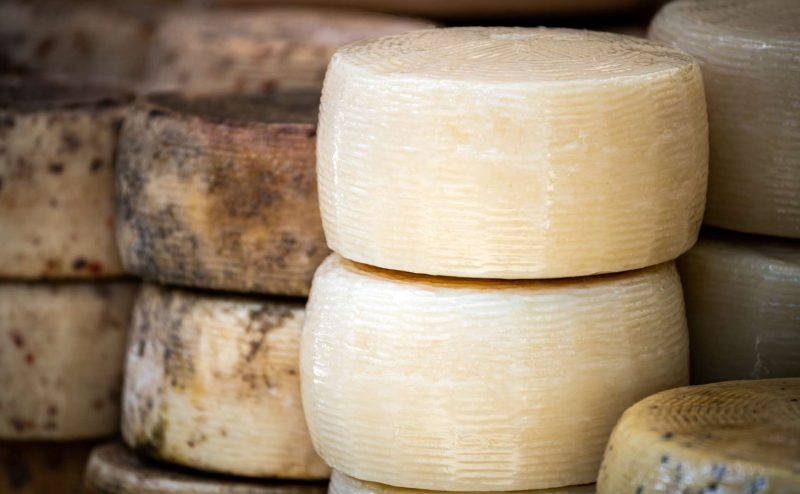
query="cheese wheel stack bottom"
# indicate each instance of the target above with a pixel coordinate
(42, 467)
(735, 436)
(212, 382)
(511, 152)
(61, 352)
(220, 192)
(454, 384)
(743, 306)
(749, 53)
(113, 468)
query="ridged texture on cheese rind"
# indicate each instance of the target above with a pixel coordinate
(212, 382)
(453, 384)
(749, 53)
(735, 436)
(114, 469)
(42, 467)
(511, 153)
(61, 352)
(221, 192)
(743, 306)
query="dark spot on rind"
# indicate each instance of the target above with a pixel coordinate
(70, 141)
(667, 436)
(17, 339)
(664, 459)
(56, 168)
(44, 47)
(95, 165)
(79, 263)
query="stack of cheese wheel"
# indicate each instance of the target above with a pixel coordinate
(459, 171)
(63, 312)
(742, 291)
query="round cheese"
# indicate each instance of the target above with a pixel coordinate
(61, 350)
(735, 436)
(750, 57)
(743, 306)
(56, 180)
(221, 192)
(454, 384)
(212, 382)
(42, 467)
(113, 468)
(221, 51)
(511, 152)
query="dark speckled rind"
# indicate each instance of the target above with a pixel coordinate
(42, 467)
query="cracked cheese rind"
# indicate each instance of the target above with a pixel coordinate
(35, 467)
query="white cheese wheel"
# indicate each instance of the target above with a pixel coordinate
(114, 469)
(221, 192)
(743, 306)
(42, 467)
(212, 382)
(471, 385)
(749, 52)
(61, 351)
(511, 152)
(729, 437)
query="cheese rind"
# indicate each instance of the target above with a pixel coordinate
(742, 294)
(61, 351)
(42, 467)
(212, 382)
(734, 436)
(511, 153)
(749, 53)
(453, 384)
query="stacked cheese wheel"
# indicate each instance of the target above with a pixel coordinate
(464, 155)
(742, 290)
(63, 310)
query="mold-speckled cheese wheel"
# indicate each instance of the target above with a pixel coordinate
(42, 467)
(57, 180)
(114, 469)
(221, 193)
(734, 436)
(251, 51)
(749, 52)
(455, 384)
(61, 351)
(212, 382)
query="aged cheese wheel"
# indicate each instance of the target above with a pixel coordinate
(743, 306)
(221, 192)
(750, 58)
(56, 180)
(42, 467)
(734, 436)
(454, 384)
(61, 350)
(251, 51)
(511, 152)
(212, 382)
(113, 468)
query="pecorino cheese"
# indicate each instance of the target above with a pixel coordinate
(743, 306)
(750, 57)
(734, 436)
(511, 152)
(42, 467)
(56, 180)
(221, 192)
(212, 382)
(471, 385)
(61, 351)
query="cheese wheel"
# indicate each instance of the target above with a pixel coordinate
(221, 51)
(750, 53)
(734, 436)
(56, 180)
(221, 192)
(61, 349)
(113, 468)
(212, 382)
(470, 385)
(511, 152)
(42, 467)
(742, 303)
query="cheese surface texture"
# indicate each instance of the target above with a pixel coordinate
(749, 54)
(212, 382)
(734, 436)
(61, 352)
(42, 467)
(511, 152)
(221, 192)
(452, 384)
(743, 306)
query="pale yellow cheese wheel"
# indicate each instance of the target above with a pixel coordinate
(482, 385)
(33, 467)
